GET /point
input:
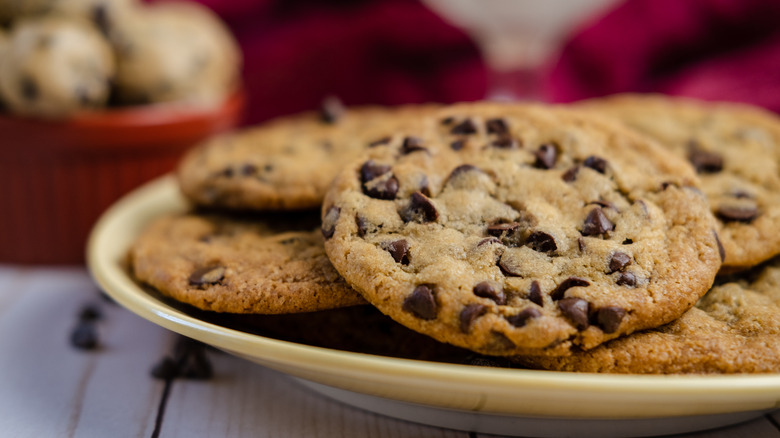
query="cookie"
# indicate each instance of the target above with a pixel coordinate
(289, 162)
(175, 51)
(54, 67)
(104, 14)
(509, 229)
(735, 328)
(736, 151)
(261, 265)
(15, 9)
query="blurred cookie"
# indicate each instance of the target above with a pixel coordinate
(53, 67)
(287, 163)
(15, 9)
(510, 229)
(267, 264)
(104, 14)
(736, 151)
(735, 328)
(175, 51)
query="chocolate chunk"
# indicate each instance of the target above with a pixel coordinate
(576, 309)
(596, 223)
(420, 209)
(84, 336)
(567, 284)
(541, 242)
(166, 369)
(546, 156)
(248, 169)
(486, 290)
(501, 230)
(618, 262)
(488, 241)
(497, 126)
(380, 142)
(29, 88)
(362, 226)
(626, 279)
(457, 145)
(596, 163)
(464, 127)
(421, 302)
(332, 109)
(469, 314)
(412, 144)
(721, 249)
(705, 161)
(505, 142)
(535, 294)
(207, 275)
(521, 319)
(329, 222)
(609, 318)
(729, 213)
(370, 170)
(571, 174)
(399, 250)
(386, 189)
(628, 242)
(90, 312)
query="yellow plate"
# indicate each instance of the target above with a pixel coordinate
(492, 400)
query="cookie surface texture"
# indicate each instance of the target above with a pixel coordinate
(511, 229)
(735, 328)
(264, 265)
(736, 151)
(286, 163)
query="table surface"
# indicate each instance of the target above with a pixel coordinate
(51, 389)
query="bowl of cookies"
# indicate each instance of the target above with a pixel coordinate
(97, 98)
(599, 269)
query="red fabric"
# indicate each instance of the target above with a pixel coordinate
(709, 49)
(365, 52)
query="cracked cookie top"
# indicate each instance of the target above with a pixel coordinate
(511, 229)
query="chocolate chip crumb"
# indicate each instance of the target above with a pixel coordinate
(470, 313)
(420, 209)
(487, 290)
(546, 156)
(609, 318)
(207, 275)
(567, 284)
(398, 249)
(576, 309)
(618, 262)
(421, 302)
(521, 319)
(535, 294)
(596, 223)
(596, 163)
(329, 221)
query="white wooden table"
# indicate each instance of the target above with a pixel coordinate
(51, 389)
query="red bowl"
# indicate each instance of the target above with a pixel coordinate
(57, 177)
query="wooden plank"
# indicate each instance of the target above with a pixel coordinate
(244, 399)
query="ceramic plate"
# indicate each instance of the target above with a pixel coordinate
(481, 399)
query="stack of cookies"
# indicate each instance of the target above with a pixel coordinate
(631, 234)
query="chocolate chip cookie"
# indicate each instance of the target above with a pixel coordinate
(261, 265)
(289, 162)
(517, 229)
(736, 151)
(735, 328)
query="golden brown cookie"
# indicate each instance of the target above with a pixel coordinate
(510, 229)
(263, 264)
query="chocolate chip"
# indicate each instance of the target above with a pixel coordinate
(618, 262)
(488, 241)
(469, 314)
(463, 168)
(486, 290)
(380, 142)
(248, 169)
(509, 267)
(29, 88)
(596, 223)
(412, 144)
(729, 213)
(567, 284)
(571, 174)
(227, 172)
(505, 142)
(99, 16)
(546, 156)
(457, 145)
(581, 244)
(596, 163)
(371, 170)
(362, 226)
(84, 336)
(628, 242)
(385, 189)
(465, 127)
(207, 275)
(425, 189)
(535, 294)
(332, 109)
(626, 279)
(521, 319)
(329, 221)
(501, 230)
(447, 120)
(90, 312)
(721, 250)
(609, 318)
(741, 194)
(421, 302)
(541, 242)
(704, 161)
(398, 249)
(420, 209)
(166, 369)
(576, 309)
(497, 126)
